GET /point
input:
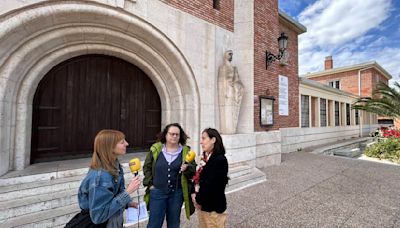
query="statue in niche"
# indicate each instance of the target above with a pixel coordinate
(230, 94)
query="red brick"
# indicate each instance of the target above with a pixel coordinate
(204, 9)
(267, 30)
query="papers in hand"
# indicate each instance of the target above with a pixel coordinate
(133, 214)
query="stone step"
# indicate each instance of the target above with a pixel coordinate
(44, 187)
(10, 179)
(39, 188)
(349, 152)
(51, 203)
(240, 170)
(23, 206)
(18, 178)
(48, 218)
(255, 177)
(27, 205)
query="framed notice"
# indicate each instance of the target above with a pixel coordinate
(266, 110)
(283, 96)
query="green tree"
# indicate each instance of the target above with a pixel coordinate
(385, 101)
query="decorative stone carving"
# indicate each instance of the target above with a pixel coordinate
(230, 94)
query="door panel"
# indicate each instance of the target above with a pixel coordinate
(83, 95)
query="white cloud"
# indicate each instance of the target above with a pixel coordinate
(345, 29)
(332, 23)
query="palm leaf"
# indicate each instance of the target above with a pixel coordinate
(385, 101)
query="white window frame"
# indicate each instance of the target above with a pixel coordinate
(334, 84)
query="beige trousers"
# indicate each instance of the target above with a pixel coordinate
(211, 219)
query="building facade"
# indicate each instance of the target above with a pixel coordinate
(325, 116)
(359, 79)
(326, 100)
(71, 68)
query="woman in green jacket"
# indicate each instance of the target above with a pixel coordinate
(167, 178)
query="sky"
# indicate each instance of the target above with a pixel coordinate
(351, 31)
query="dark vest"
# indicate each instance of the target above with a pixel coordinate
(167, 175)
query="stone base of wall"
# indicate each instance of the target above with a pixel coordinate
(294, 139)
(366, 129)
(259, 149)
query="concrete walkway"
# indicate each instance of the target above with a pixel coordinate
(309, 190)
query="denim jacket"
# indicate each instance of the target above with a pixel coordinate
(102, 195)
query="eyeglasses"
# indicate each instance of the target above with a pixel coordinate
(173, 134)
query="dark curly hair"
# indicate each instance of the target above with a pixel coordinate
(182, 135)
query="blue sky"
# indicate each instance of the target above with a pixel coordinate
(352, 31)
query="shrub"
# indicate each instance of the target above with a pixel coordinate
(388, 149)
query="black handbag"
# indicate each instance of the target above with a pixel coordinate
(83, 220)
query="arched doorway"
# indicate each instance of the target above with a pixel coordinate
(76, 31)
(85, 94)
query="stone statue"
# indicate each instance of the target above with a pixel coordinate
(230, 94)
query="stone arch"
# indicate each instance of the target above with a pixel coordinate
(40, 36)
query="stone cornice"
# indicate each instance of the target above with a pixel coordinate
(296, 26)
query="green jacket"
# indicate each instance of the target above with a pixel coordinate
(149, 169)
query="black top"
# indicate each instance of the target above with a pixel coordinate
(213, 180)
(167, 175)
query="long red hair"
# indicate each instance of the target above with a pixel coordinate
(103, 153)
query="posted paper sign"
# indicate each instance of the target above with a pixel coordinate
(133, 215)
(283, 95)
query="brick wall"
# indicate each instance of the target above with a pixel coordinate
(376, 78)
(267, 30)
(397, 123)
(203, 9)
(349, 81)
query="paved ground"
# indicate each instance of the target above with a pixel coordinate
(309, 190)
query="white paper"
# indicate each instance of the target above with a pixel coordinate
(132, 213)
(283, 96)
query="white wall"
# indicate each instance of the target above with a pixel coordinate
(268, 148)
(259, 149)
(366, 129)
(300, 138)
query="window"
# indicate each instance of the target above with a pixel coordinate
(334, 84)
(357, 117)
(305, 111)
(216, 4)
(348, 114)
(337, 107)
(322, 111)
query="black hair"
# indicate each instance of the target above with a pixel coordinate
(218, 145)
(182, 135)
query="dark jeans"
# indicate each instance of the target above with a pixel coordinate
(165, 203)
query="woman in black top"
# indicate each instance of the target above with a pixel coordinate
(210, 181)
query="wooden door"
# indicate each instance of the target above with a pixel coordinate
(83, 95)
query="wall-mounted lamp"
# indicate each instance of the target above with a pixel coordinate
(282, 41)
